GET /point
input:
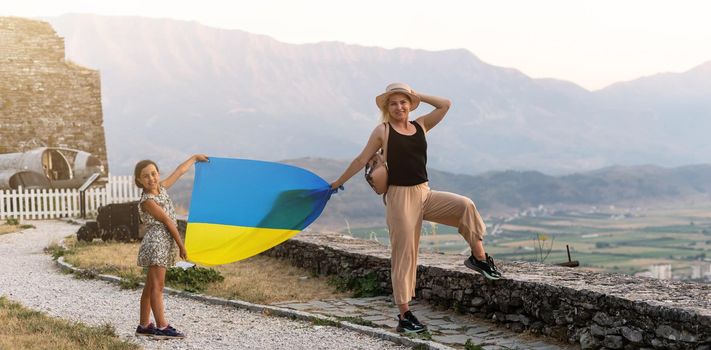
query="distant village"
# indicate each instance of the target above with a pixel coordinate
(700, 268)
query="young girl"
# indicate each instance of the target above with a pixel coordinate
(158, 247)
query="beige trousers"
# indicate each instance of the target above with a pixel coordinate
(406, 207)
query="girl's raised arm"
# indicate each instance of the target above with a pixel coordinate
(182, 169)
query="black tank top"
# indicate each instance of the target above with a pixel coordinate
(407, 157)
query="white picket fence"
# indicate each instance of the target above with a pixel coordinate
(33, 204)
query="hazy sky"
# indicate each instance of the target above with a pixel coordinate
(592, 43)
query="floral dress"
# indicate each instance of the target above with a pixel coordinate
(157, 247)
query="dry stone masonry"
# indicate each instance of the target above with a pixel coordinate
(46, 100)
(594, 310)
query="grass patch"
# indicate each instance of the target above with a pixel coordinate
(323, 322)
(260, 279)
(12, 222)
(106, 258)
(469, 345)
(4, 229)
(27, 329)
(56, 250)
(358, 320)
(265, 280)
(13, 225)
(426, 335)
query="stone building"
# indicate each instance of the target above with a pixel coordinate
(46, 100)
(701, 270)
(661, 271)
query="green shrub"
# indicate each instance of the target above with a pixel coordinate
(86, 274)
(469, 345)
(362, 287)
(194, 279)
(130, 280)
(56, 251)
(426, 335)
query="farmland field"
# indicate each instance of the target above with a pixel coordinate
(614, 240)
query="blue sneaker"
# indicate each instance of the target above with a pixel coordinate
(168, 333)
(147, 331)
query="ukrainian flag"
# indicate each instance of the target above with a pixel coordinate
(240, 208)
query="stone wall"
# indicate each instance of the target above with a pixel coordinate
(594, 310)
(44, 99)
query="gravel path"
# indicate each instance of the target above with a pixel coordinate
(29, 276)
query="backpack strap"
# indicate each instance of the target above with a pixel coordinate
(386, 134)
(385, 153)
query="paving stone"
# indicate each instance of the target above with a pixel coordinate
(300, 307)
(329, 309)
(378, 299)
(423, 318)
(494, 333)
(338, 314)
(508, 343)
(493, 347)
(475, 340)
(433, 329)
(390, 323)
(478, 330)
(452, 326)
(372, 312)
(375, 318)
(450, 339)
(542, 346)
(446, 327)
(359, 302)
(439, 323)
(319, 304)
(431, 316)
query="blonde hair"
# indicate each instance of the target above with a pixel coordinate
(384, 116)
(384, 113)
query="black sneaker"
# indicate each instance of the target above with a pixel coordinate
(490, 260)
(406, 325)
(168, 333)
(481, 267)
(411, 317)
(147, 331)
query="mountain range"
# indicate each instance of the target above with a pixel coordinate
(505, 193)
(171, 88)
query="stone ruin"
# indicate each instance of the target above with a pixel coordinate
(46, 100)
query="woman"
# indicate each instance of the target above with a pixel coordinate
(409, 198)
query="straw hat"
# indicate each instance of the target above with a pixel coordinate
(397, 88)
